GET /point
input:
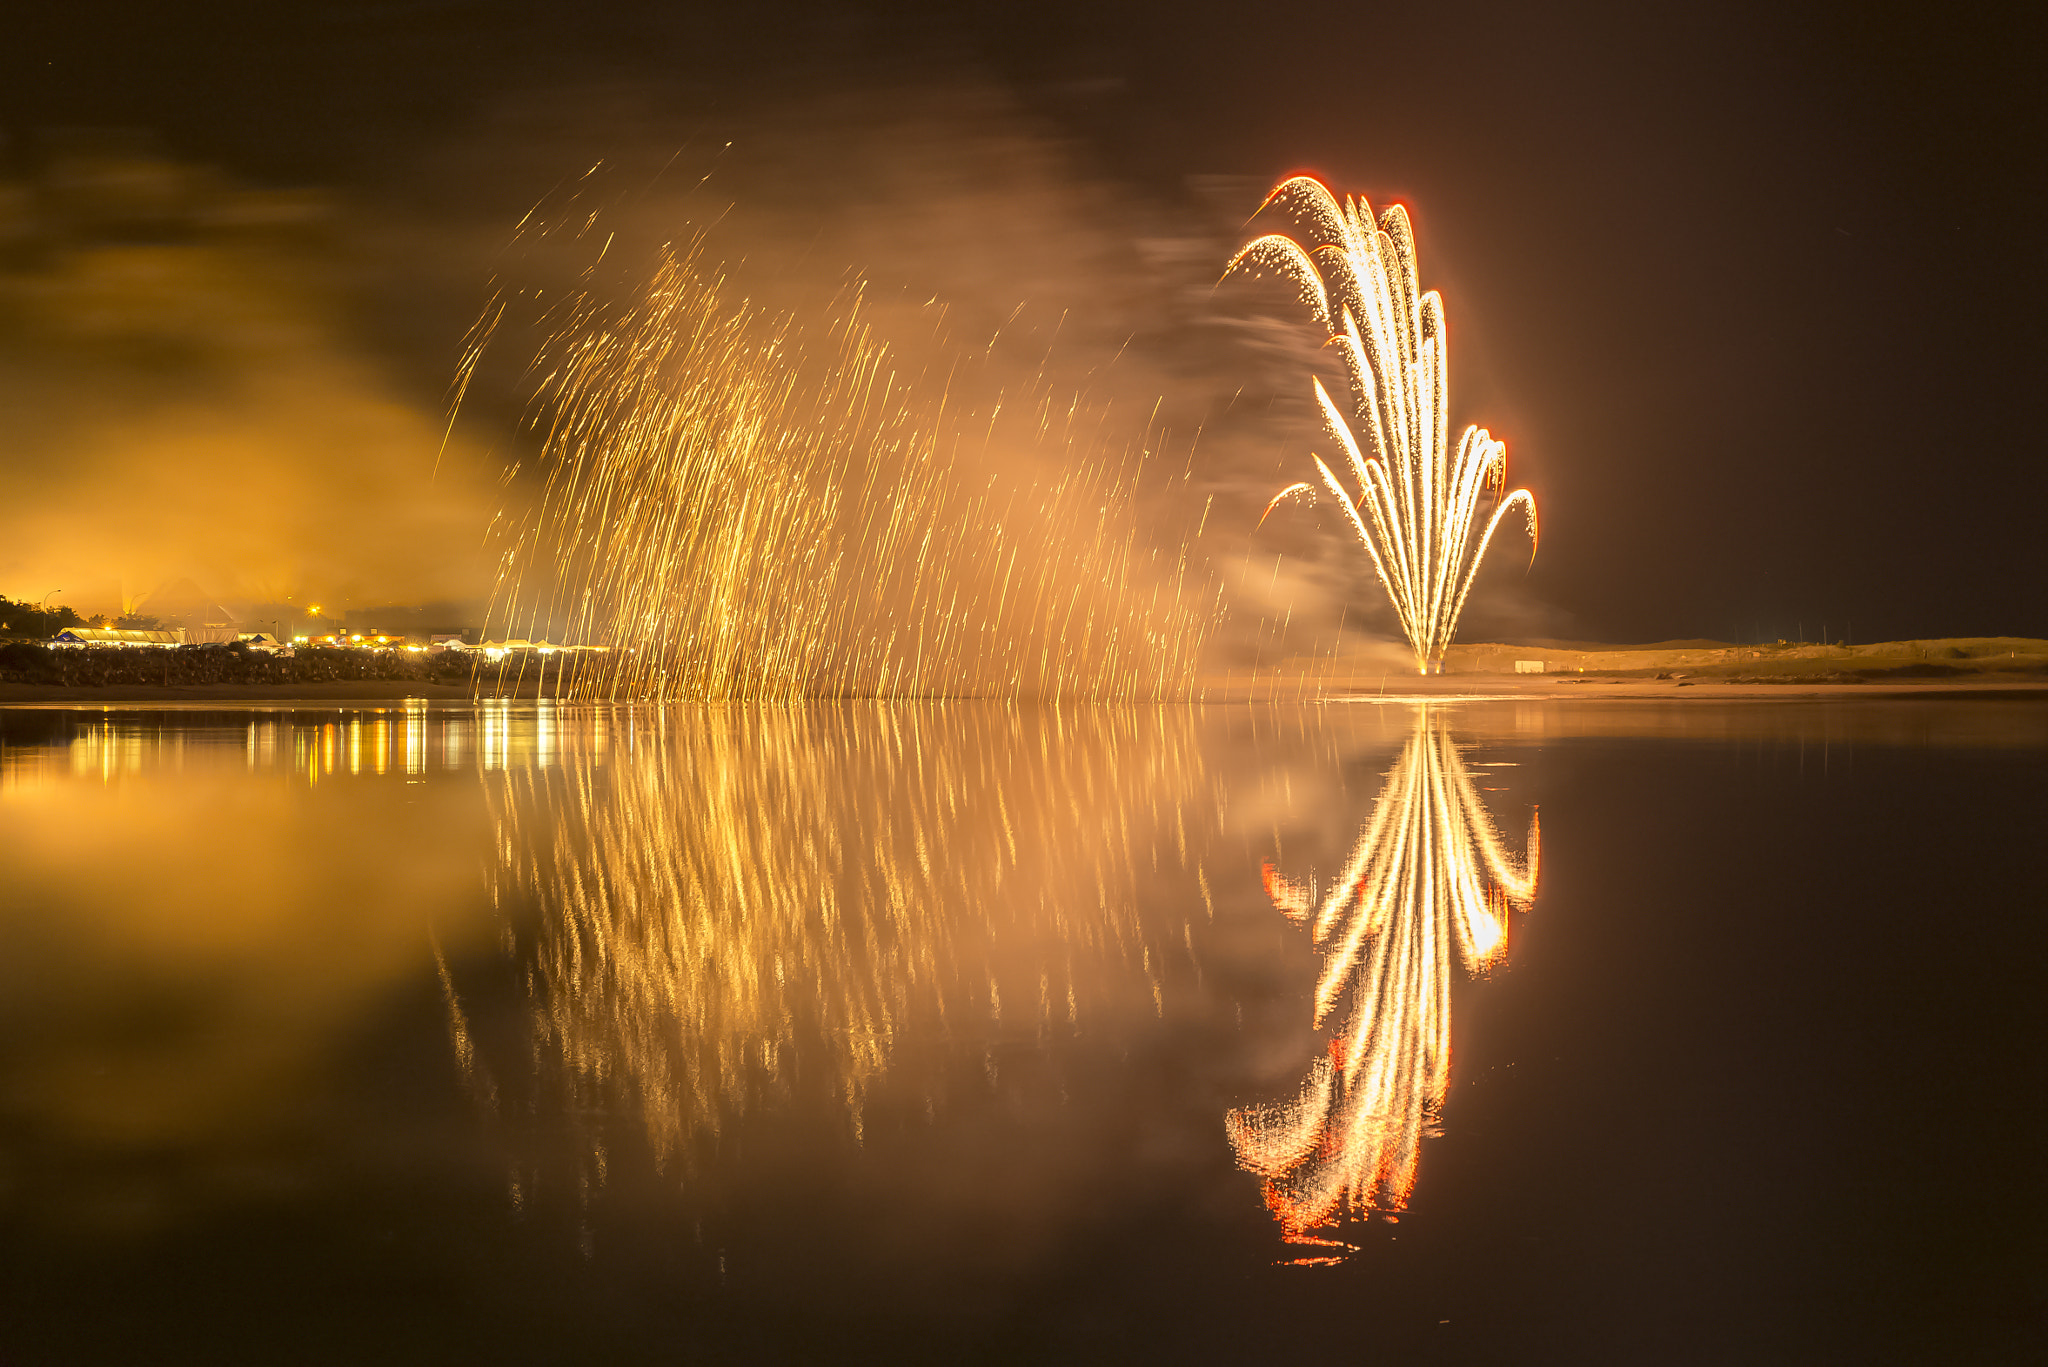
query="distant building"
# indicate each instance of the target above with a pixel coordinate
(72, 637)
(498, 650)
(1528, 666)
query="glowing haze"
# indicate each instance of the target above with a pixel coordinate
(1418, 501)
(188, 400)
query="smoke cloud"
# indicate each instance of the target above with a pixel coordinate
(189, 412)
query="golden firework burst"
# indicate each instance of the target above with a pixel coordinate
(1418, 500)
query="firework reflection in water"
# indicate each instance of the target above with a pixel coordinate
(741, 504)
(1420, 501)
(1428, 884)
(717, 912)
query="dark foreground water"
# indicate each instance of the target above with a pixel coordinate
(549, 1035)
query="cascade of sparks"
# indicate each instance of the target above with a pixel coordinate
(748, 506)
(1418, 501)
(1428, 884)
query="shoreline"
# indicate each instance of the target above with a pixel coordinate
(348, 691)
(1220, 692)
(1949, 668)
(1602, 688)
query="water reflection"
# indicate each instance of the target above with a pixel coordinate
(768, 909)
(945, 956)
(1428, 884)
(198, 913)
(311, 744)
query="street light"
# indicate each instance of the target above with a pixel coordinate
(47, 597)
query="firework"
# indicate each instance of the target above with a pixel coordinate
(1418, 499)
(744, 505)
(1428, 884)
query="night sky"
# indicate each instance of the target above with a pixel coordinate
(1753, 294)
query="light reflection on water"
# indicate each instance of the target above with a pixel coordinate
(706, 911)
(751, 902)
(1427, 885)
(198, 910)
(647, 928)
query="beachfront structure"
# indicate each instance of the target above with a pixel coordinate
(74, 637)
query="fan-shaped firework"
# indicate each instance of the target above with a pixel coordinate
(1418, 501)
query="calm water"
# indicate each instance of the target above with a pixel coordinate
(1552, 1032)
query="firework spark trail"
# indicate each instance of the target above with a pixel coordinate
(739, 507)
(1428, 884)
(1420, 500)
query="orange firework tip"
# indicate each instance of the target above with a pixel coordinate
(1290, 491)
(1288, 182)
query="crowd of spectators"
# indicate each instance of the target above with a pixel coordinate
(188, 666)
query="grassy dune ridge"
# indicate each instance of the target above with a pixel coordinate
(1958, 665)
(1953, 657)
